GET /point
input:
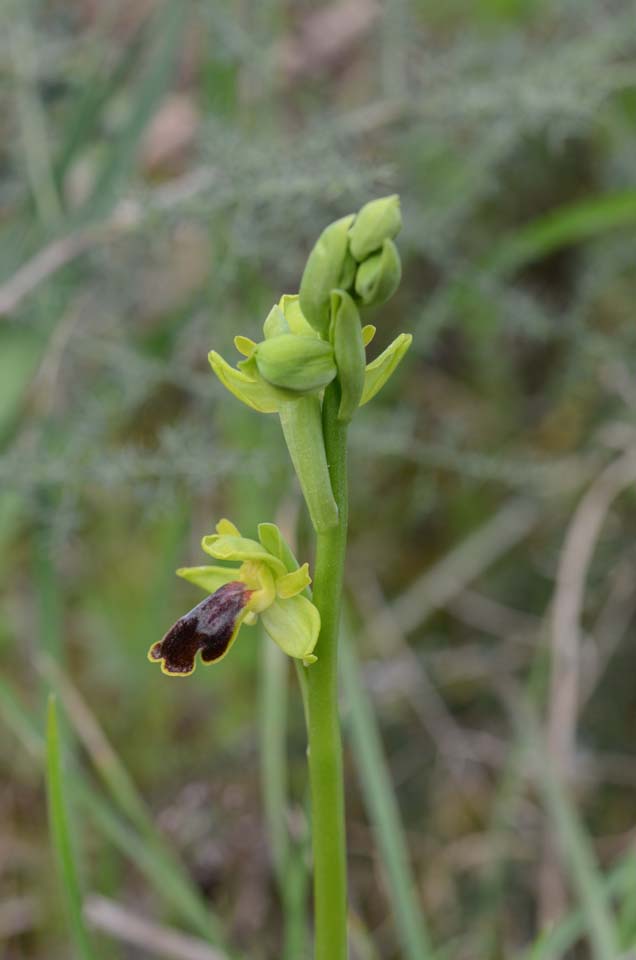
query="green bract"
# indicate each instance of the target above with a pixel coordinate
(376, 222)
(266, 584)
(346, 336)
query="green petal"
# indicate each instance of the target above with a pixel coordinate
(254, 393)
(293, 583)
(368, 333)
(294, 625)
(209, 578)
(378, 372)
(225, 547)
(274, 542)
(244, 345)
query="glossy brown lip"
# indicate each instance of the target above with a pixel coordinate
(209, 627)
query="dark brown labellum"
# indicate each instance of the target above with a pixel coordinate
(208, 627)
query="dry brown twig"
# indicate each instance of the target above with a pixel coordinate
(111, 918)
(565, 636)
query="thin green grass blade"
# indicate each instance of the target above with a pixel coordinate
(382, 809)
(561, 228)
(579, 858)
(160, 60)
(61, 836)
(148, 852)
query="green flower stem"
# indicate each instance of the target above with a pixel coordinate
(325, 746)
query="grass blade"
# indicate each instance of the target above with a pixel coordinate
(382, 809)
(577, 852)
(61, 836)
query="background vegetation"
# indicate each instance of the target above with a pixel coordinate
(165, 168)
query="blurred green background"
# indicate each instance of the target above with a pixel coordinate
(164, 170)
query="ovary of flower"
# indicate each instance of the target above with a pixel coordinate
(261, 586)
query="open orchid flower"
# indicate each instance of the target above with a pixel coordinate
(268, 583)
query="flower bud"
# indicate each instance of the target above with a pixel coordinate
(376, 222)
(328, 264)
(378, 276)
(346, 336)
(300, 364)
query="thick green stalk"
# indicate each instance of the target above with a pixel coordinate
(325, 746)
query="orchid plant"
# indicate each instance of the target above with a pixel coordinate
(311, 370)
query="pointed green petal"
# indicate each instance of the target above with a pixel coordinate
(293, 583)
(254, 393)
(244, 345)
(378, 372)
(240, 549)
(209, 578)
(368, 333)
(294, 625)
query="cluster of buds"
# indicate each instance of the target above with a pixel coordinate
(316, 336)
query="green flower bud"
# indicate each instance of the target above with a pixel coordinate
(376, 222)
(326, 267)
(379, 276)
(300, 364)
(346, 336)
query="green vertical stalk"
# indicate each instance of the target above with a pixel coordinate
(325, 745)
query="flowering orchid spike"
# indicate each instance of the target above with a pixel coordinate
(268, 583)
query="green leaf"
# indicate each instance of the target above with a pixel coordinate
(59, 822)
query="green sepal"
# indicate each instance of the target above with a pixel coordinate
(253, 392)
(291, 362)
(379, 370)
(379, 276)
(301, 421)
(227, 547)
(294, 625)
(208, 578)
(377, 221)
(348, 347)
(326, 266)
